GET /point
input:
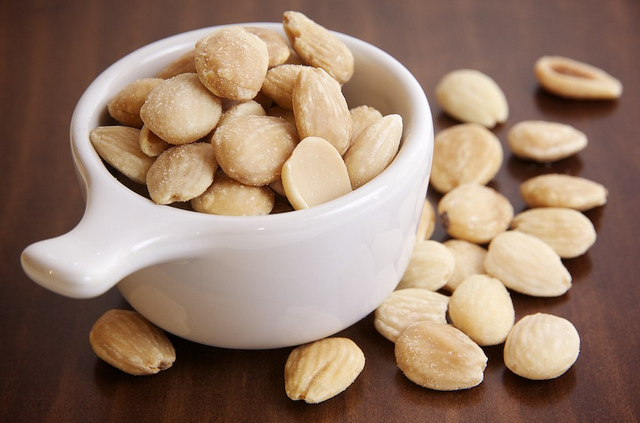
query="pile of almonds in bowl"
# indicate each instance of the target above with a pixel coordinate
(454, 298)
(246, 118)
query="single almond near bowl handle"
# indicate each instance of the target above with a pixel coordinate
(95, 255)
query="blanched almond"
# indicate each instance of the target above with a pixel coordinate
(440, 357)
(373, 150)
(181, 110)
(543, 141)
(321, 370)
(181, 173)
(541, 346)
(469, 260)
(320, 108)
(314, 174)
(559, 190)
(129, 342)
(125, 106)
(569, 232)
(570, 78)
(318, 47)
(475, 213)
(120, 147)
(527, 265)
(430, 267)
(469, 95)
(232, 63)
(404, 307)
(482, 308)
(464, 153)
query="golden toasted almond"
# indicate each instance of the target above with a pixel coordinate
(151, 144)
(129, 342)
(430, 267)
(361, 117)
(527, 265)
(314, 174)
(318, 47)
(321, 370)
(277, 45)
(244, 108)
(469, 260)
(320, 108)
(120, 147)
(252, 149)
(404, 307)
(482, 308)
(475, 213)
(440, 357)
(464, 153)
(125, 106)
(541, 346)
(469, 95)
(228, 197)
(181, 173)
(427, 223)
(569, 232)
(559, 190)
(570, 78)
(279, 82)
(232, 63)
(186, 63)
(373, 150)
(543, 141)
(181, 110)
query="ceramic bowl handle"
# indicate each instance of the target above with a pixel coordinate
(96, 254)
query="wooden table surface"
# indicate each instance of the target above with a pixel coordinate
(51, 50)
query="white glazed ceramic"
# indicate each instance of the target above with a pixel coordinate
(244, 282)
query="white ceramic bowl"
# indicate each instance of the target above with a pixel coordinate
(244, 282)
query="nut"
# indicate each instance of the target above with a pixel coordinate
(570, 78)
(404, 307)
(232, 63)
(569, 232)
(151, 144)
(318, 47)
(440, 357)
(277, 45)
(320, 370)
(181, 110)
(244, 108)
(314, 174)
(558, 190)
(471, 96)
(317, 101)
(361, 117)
(541, 346)
(482, 308)
(430, 267)
(183, 64)
(228, 197)
(120, 147)
(125, 106)
(427, 223)
(181, 173)
(465, 153)
(252, 149)
(543, 141)
(373, 150)
(475, 213)
(279, 82)
(129, 342)
(469, 260)
(527, 265)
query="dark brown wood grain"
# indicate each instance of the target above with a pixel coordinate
(51, 50)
